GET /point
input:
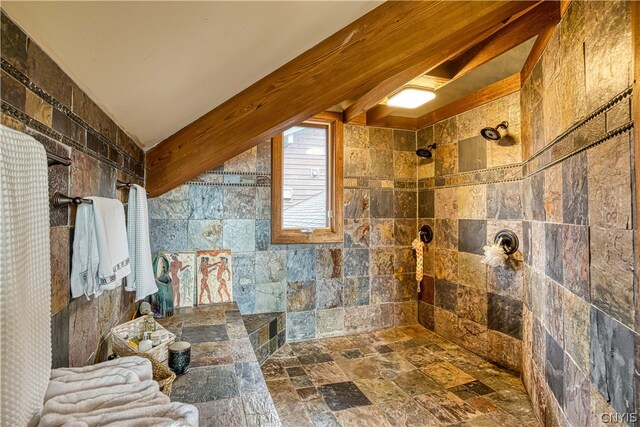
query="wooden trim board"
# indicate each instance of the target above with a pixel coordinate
(490, 93)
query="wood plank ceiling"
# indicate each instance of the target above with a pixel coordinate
(375, 55)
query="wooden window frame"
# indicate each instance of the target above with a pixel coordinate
(334, 233)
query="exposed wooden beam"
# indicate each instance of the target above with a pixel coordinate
(490, 93)
(536, 52)
(541, 17)
(358, 120)
(371, 98)
(635, 42)
(378, 113)
(395, 122)
(514, 33)
(393, 37)
(538, 20)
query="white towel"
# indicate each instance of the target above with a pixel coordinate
(84, 258)
(100, 236)
(90, 380)
(142, 279)
(25, 289)
(113, 250)
(169, 414)
(139, 365)
(105, 399)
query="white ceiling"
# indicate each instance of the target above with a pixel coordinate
(156, 66)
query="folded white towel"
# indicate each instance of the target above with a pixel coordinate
(106, 399)
(169, 414)
(113, 250)
(142, 279)
(90, 380)
(139, 365)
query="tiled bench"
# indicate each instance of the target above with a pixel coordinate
(224, 380)
(267, 333)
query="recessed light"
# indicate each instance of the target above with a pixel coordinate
(410, 97)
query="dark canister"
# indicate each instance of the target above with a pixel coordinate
(179, 357)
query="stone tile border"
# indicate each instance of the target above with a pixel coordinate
(129, 164)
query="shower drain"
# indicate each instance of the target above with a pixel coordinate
(389, 374)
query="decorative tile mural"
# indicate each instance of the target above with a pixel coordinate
(214, 276)
(181, 269)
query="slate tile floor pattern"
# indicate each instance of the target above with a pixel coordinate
(405, 376)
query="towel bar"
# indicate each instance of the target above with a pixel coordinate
(59, 200)
(121, 185)
(54, 159)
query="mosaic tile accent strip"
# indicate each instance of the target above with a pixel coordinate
(585, 134)
(105, 149)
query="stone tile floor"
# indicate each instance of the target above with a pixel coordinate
(405, 376)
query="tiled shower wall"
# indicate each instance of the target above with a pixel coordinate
(468, 191)
(581, 318)
(365, 283)
(38, 98)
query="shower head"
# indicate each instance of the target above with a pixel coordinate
(426, 153)
(494, 134)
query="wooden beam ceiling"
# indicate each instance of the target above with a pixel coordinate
(541, 17)
(535, 21)
(395, 36)
(372, 97)
(490, 93)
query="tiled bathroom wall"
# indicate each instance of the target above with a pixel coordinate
(365, 283)
(469, 190)
(581, 318)
(38, 98)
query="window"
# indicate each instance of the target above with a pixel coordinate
(306, 187)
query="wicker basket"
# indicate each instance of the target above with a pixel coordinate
(161, 374)
(120, 340)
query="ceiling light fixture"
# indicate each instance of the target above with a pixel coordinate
(410, 97)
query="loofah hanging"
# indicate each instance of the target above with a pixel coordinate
(494, 255)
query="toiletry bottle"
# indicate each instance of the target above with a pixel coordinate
(149, 323)
(146, 344)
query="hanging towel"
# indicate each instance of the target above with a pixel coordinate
(142, 279)
(111, 234)
(102, 237)
(84, 259)
(418, 246)
(25, 290)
